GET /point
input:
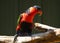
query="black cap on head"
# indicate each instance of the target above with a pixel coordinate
(37, 7)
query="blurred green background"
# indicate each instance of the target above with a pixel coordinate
(10, 10)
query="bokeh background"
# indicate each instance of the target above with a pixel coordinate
(10, 10)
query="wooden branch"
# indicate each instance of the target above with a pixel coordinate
(50, 36)
(46, 27)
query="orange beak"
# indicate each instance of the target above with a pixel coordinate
(40, 12)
